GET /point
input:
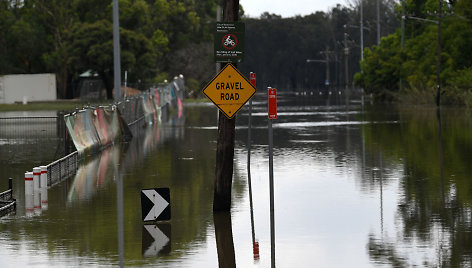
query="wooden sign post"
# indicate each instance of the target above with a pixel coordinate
(225, 143)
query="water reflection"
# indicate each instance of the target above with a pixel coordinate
(388, 153)
(353, 189)
(120, 220)
(156, 239)
(95, 174)
(434, 208)
(255, 243)
(79, 219)
(224, 239)
(441, 156)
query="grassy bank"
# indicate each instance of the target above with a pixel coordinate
(64, 105)
(49, 106)
(196, 100)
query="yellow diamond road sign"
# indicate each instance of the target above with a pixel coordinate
(229, 90)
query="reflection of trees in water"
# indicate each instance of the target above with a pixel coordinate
(434, 212)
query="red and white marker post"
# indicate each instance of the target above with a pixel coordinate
(36, 175)
(272, 103)
(252, 78)
(36, 192)
(28, 183)
(272, 115)
(44, 187)
(29, 194)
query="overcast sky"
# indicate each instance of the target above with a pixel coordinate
(287, 8)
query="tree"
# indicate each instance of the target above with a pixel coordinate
(21, 41)
(381, 68)
(57, 18)
(92, 48)
(416, 64)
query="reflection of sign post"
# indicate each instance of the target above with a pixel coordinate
(229, 42)
(156, 240)
(229, 90)
(255, 251)
(155, 204)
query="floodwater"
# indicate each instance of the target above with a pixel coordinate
(354, 187)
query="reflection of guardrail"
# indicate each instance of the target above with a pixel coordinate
(7, 207)
(7, 203)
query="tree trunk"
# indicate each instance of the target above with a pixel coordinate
(224, 164)
(108, 84)
(226, 133)
(62, 83)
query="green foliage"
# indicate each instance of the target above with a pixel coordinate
(193, 87)
(172, 37)
(459, 90)
(21, 41)
(381, 68)
(416, 65)
(71, 37)
(277, 48)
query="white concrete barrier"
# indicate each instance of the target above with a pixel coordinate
(28, 183)
(29, 194)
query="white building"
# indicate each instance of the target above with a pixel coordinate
(27, 87)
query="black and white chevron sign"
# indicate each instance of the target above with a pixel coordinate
(155, 204)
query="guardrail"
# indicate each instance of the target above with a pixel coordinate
(62, 169)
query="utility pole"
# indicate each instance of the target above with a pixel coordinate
(362, 31)
(327, 54)
(346, 66)
(438, 71)
(218, 18)
(438, 66)
(378, 22)
(116, 51)
(402, 39)
(403, 24)
(226, 134)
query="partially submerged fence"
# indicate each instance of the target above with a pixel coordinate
(17, 126)
(92, 128)
(62, 169)
(24, 135)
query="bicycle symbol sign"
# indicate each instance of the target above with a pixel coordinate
(229, 41)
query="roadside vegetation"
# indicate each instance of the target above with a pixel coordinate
(161, 39)
(415, 65)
